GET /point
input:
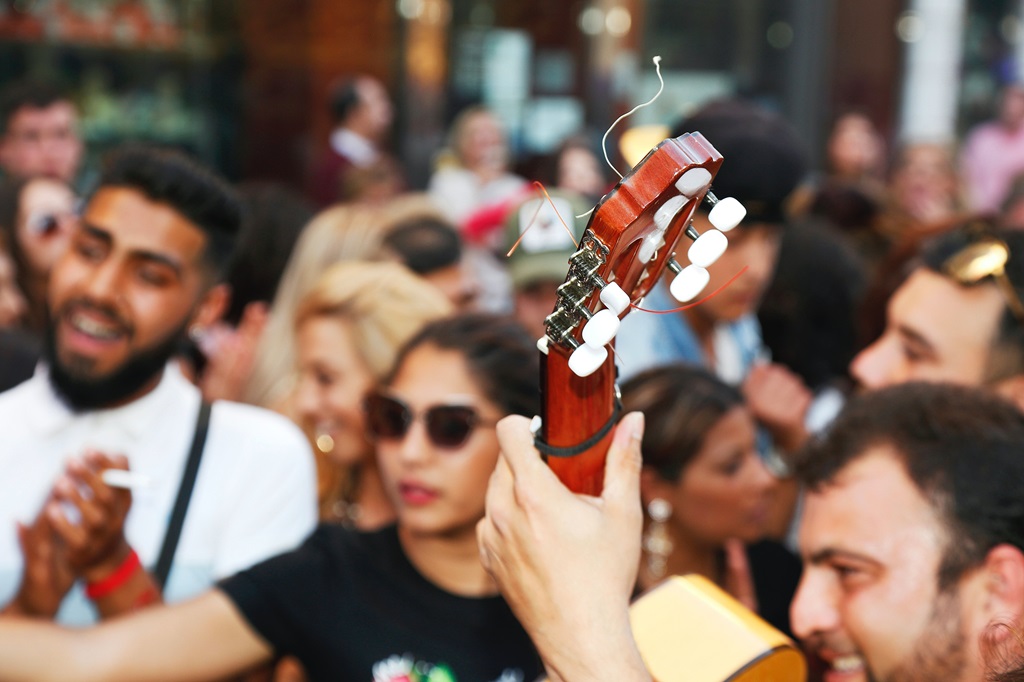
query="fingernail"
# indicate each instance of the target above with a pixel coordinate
(631, 428)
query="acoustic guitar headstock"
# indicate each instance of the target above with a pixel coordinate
(631, 239)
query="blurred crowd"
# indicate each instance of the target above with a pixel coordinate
(300, 389)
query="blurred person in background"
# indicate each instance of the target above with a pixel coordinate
(37, 218)
(13, 305)
(544, 230)
(993, 153)
(355, 166)
(957, 317)
(349, 330)
(577, 169)
(474, 188)
(341, 233)
(474, 175)
(19, 351)
(706, 491)
(765, 165)
(856, 153)
(431, 247)
(274, 217)
(924, 192)
(39, 133)
(350, 232)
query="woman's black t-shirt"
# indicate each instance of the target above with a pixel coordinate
(350, 606)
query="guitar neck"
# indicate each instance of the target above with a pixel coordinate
(629, 242)
(574, 411)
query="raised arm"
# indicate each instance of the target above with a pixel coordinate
(202, 639)
(567, 563)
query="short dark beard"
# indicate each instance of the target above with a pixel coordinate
(941, 650)
(83, 393)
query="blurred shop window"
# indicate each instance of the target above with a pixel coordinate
(162, 71)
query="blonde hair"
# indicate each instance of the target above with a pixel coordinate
(383, 305)
(349, 232)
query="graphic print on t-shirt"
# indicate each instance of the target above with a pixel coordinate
(408, 669)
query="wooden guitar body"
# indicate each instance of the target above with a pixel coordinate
(690, 630)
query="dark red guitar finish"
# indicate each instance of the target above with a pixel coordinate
(575, 408)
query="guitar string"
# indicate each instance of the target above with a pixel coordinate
(604, 151)
(533, 220)
(638, 107)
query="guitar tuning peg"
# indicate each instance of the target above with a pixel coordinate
(707, 248)
(664, 215)
(614, 298)
(693, 181)
(650, 245)
(586, 359)
(689, 282)
(725, 213)
(601, 328)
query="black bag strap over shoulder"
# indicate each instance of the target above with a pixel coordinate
(188, 481)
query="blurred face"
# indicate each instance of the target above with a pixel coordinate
(725, 491)
(458, 284)
(855, 147)
(438, 490)
(868, 601)
(1011, 107)
(535, 302)
(375, 112)
(755, 247)
(482, 143)
(578, 171)
(333, 379)
(42, 142)
(935, 330)
(125, 293)
(12, 303)
(925, 184)
(46, 220)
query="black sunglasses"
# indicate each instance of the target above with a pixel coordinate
(448, 426)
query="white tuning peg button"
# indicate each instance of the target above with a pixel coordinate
(727, 214)
(688, 283)
(650, 245)
(693, 181)
(664, 215)
(601, 328)
(614, 298)
(585, 360)
(707, 248)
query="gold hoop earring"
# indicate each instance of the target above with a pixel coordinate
(657, 543)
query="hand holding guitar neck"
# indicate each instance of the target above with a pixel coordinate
(631, 239)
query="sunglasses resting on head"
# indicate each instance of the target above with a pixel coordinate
(985, 257)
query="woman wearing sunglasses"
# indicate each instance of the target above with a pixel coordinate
(409, 602)
(348, 331)
(37, 217)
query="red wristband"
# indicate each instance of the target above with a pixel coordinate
(103, 588)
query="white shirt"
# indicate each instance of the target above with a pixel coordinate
(353, 146)
(254, 497)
